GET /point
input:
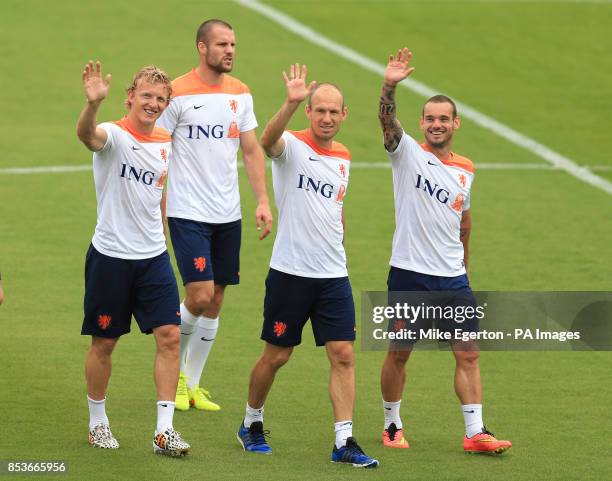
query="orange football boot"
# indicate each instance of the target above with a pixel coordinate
(394, 438)
(485, 442)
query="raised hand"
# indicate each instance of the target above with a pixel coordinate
(96, 87)
(297, 91)
(398, 67)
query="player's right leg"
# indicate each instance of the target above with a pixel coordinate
(97, 374)
(191, 241)
(107, 316)
(393, 372)
(251, 434)
(286, 306)
(392, 382)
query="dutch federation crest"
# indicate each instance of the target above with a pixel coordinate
(462, 180)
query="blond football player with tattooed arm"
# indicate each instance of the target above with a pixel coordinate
(432, 187)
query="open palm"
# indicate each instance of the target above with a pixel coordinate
(297, 90)
(398, 67)
(96, 87)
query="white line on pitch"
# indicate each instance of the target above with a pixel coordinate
(58, 169)
(489, 123)
(51, 169)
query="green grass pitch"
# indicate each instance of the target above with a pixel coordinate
(542, 68)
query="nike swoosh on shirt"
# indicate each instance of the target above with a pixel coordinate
(314, 160)
(135, 148)
(198, 106)
(431, 163)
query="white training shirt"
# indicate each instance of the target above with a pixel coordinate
(430, 197)
(205, 122)
(129, 174)
(309, 187)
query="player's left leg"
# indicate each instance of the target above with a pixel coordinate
(469, 391)
(167, 440)
(342, 395)
(342, 387)
(333, 324)
(155, 308)
(225, 240)
(200, 345)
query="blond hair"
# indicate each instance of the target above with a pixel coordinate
(151, 74)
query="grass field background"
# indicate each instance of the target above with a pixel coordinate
(540, 67)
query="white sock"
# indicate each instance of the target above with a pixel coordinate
(252, 415)
(472, 414)
(165, 413)
(392, 414)
(200, 344)
(344, 430)
(188, 321)
(97, 412)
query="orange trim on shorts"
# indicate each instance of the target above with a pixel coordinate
(192, 84)
(454, 160)
(337, 150)
(158, 135)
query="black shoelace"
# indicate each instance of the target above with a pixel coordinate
(352, 445)
(392, 431)
(257, 433)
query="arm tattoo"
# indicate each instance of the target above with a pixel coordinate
(392, 129)
(464, 234)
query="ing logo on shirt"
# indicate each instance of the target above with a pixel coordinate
(341, 192)
(162, 178)
(458, 203)
(342, 170)
(233, 105)
(164, 154)
(137, 174)
(462, 180)
(314, 185)
(234, 131)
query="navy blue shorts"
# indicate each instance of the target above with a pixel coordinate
(292, 300)
(116, 289)
(449, 301)
(206, 252)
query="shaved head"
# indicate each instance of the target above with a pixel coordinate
(329, 91)
(203, 33)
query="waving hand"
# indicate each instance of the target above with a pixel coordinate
(96, 87)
